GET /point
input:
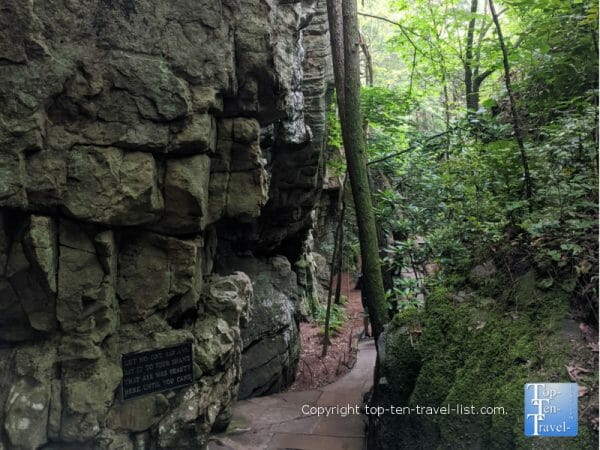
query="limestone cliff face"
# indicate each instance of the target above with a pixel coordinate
(140, 141)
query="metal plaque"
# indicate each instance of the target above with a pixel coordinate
(157, 370)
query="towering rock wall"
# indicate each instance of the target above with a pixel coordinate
(275, 247)
(139, 141)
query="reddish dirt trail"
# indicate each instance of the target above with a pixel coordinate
(314, 371)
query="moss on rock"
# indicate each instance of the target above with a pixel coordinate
(403, 361)
(477, 352)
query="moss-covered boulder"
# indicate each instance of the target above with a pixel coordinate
(471, 351)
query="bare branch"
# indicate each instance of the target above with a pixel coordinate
(403, 30)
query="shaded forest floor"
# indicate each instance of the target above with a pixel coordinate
(313, 370)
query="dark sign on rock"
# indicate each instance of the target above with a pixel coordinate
(157, 370)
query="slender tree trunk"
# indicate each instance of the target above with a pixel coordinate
(388, 281)
(446, 117)
(336, 267)
(469, 60)
(368, 61)
(340, 232)
(334, 16)
(338, 286)
(336, 255)
(336, 37)
(518, 129)
(412, 73)
(354, 145)
(444, 79)
(387, 271)
(483, 29)
(473, 77)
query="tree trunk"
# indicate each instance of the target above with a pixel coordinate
(336, 267)
(354, 145)
(368, 61)
(340, 232)
(340, 264)
(473, 78)
(388, 281)
(387, 271)
(336, 255)
(480, 78)
(471, 106)
(446, 114)
(518, 130)
(336, 29)
(334, 16)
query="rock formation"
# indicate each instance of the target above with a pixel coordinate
(140, 142)
(271, 344)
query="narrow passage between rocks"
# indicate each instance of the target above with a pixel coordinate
(323, 418)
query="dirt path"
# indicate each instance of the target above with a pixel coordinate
(315, 371)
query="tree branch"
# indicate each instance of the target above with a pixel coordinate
(403, 30)
(412, 147)
(482, 76)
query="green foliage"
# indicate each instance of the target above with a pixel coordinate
(334, 130)
(558, 54)
(386, 107)
(336, 164)
(386, 119)
(472, 199)
(453, 183)
(336, 319)
(405, 295)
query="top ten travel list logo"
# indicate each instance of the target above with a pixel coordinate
(551, 409)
